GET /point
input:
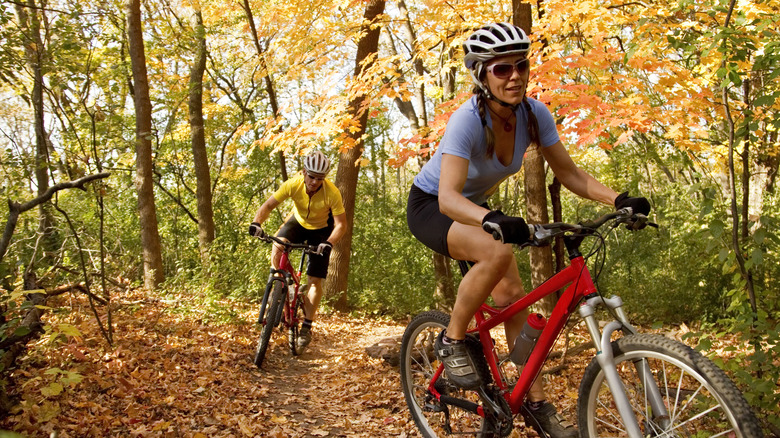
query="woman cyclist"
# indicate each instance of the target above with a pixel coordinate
(483, 144)
(316, 200)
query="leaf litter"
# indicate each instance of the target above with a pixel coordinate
(171, 373)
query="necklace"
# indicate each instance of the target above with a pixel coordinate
(507, 125)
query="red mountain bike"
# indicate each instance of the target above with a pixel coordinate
(282, 304)
(637, 386)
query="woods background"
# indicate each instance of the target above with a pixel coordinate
(177, 119)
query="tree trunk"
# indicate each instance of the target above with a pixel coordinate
(150, 237)
(747, 273)
(445, 291)
(535, 189)
(555, 201)
(269, 83)
(199, 152)
(746, 167)
(348, 169)
(35, 53)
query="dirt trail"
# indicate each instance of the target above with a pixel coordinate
(175, 372)
(335, 388)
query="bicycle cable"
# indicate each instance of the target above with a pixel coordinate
(600, 251)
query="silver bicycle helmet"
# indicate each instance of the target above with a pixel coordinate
(316, 162)
(491, 41)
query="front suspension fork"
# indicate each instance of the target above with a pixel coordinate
(606, 360)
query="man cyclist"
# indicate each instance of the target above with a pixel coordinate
(318, 218)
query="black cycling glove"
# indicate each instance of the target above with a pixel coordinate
(638, 205)
(507, 229)
(255, 230)
(325, 248)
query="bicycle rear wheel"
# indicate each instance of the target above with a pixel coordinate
(699, 398)
(294, 326)
(275, 306)
(418, 365)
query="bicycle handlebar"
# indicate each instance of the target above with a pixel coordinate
(542, 234)
(310, 249)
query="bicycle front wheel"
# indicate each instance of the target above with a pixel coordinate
(271, 321)
(418, 365)
(698, 398)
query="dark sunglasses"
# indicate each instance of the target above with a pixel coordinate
(315, 177)
(504, 71)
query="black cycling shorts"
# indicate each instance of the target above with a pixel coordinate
(429, 225)
(296, 233)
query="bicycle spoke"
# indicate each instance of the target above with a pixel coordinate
(694, 399)
(613, 426)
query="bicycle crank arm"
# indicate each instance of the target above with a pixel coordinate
(460, 403)
(494, 407)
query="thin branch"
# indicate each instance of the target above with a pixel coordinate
(16, 208)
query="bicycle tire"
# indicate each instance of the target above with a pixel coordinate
(294, 326)
(274, 306)
(418, 364)
(701, 400)
(264, 303)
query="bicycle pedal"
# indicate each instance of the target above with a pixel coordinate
(430, 407)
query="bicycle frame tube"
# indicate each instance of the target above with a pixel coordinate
(285, 267)
(577, 277)
(291, 273)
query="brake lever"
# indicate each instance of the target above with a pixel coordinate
(539, 236)
(638, 222)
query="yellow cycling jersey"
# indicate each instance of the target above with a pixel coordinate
(311, 212)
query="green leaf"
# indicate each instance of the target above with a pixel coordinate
(53, 389)
(22, 331)
(71, 378)
(716, 228)
(766, 100)
(69, 330)
(757, 256)
(759, 236)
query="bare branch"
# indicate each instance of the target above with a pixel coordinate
(16, 208)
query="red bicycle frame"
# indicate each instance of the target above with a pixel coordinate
(577, 276)
(288, 272)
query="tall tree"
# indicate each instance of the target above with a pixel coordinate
(30, 17)
(144, 179)
(199, 152)
(445, 291)
(269, 82)
(540, 258)
(348, 169)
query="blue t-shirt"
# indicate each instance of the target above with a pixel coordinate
(465, 138)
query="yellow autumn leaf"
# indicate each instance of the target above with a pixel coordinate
(278, 419)
(53, 389)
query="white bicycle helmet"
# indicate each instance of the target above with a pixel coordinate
(491, 41)
(316, 162)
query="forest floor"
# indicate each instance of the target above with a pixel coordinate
(173, 371)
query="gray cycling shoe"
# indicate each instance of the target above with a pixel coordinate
(548, 422)
(458, 363)
(304, 339)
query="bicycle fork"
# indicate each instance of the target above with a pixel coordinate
(606, 360)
